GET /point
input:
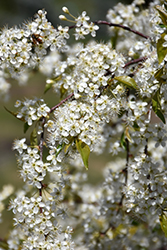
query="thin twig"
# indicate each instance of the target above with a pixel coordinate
(135, 61)
(127, 161)
(149, 119)
(127, 145)
(43, 120)
(60, 103)
(42, 138)
(122, 27)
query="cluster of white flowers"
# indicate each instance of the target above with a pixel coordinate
(149, 193)
(113, 100)
(38, 223)
(76, 120)
(84, 27)
(23, 48)
(31, 110)
(93, 66)
(38, 216)
(33, 169)
(132, 16)
(82, 24)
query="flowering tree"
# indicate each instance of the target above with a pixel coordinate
(109, 93)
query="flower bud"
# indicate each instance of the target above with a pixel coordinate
(49, 81)
(65, 10)
(62, 17)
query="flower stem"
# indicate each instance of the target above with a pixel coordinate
(123, 27)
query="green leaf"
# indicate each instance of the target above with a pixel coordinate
(165, 5)
(15, 115)
(163, 222)
(50, 83)
(159, 73)
(161, 51)
(84, 151)
(48, 86)
(26, 127)
(123, 142)
(161, 116)
(136, 126)
(128, 137)
(161, 25)
(156, 104)
(62, 91)
(127, 80)
(162, 14)
(121, 113)
(66, 147)
(59, 148)
(33, 138)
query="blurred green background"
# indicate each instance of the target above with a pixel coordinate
(15, 12)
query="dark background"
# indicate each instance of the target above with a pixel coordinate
(14, 12)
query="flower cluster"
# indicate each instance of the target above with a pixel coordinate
(23, 48)
(76, 120)
(151, 177)
(31, 110)
(82, 24)
(131, 16)
(112, 100)
(38, 216)
(99, 62)
(38, 225)
(84, 27)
